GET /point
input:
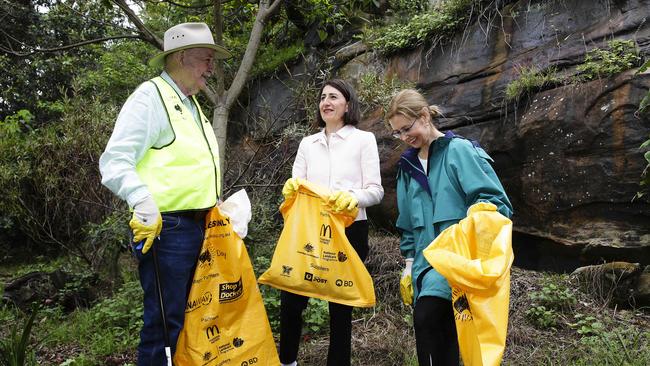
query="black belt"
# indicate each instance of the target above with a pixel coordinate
(194, 215)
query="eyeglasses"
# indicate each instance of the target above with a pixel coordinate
(398, 133)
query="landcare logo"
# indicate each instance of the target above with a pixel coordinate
(194, 304)
(237, 342)
(230, 291)
(342, 257)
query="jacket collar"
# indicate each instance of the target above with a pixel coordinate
(410, 163)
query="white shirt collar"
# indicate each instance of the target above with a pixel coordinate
(171, 82)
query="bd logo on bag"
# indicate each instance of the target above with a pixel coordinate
(342, 283)
(311, 278)
(325, 234)
(230, 291)
(461, 306)
(212, 333)
(249, 362)
(194, 304)
(286, 270)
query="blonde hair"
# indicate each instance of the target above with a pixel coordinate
(409, 103)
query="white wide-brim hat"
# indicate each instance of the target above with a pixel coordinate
(188, 35)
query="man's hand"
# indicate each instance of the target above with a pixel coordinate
(406, 283)
(290, 187)
(342, 200)
(146, 222)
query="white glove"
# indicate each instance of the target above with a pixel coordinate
(407, 267)
(146, 211)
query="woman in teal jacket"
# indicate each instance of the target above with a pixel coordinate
(439, 178)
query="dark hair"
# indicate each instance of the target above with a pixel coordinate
(353, 115)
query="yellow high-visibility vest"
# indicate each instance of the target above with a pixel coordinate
(183, 175)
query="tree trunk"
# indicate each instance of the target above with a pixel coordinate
(220, 126)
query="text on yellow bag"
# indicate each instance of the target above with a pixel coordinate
(313, 257)
(225, 319)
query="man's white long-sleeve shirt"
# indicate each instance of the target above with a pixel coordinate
(141, 124)
(349, 162)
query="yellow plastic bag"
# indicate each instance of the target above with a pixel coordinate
(313, 257)
(475, 256)
(225, 319)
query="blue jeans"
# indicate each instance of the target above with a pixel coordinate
(177, 250)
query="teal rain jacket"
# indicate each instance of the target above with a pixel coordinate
(459, 175)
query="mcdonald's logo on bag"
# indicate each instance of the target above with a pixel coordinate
(325, 234)
(326, 231)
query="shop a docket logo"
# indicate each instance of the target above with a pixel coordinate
(230, 291)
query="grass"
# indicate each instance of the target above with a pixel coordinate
(530, 80)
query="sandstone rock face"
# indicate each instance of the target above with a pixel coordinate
(567, 156)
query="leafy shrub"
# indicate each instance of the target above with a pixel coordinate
(376, 92)
(554, 295)
(542, 317)
(437, 24)
(119, 318)
(270, 59)
(548, 303)
(619, 56)
(50, 175)
(587, 325)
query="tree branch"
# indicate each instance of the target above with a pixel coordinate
(146, 34)
(238, 82)
(67, 47)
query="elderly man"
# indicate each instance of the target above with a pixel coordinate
(162, 159)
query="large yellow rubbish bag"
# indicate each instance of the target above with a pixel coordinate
(225, 320)
(475, 256)
(313, 257)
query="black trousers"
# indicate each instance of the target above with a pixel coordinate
(292, 306)
(435, 332)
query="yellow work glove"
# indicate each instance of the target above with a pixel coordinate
(290, 187)
(146, 222)
(342, 200)
(406, 283)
